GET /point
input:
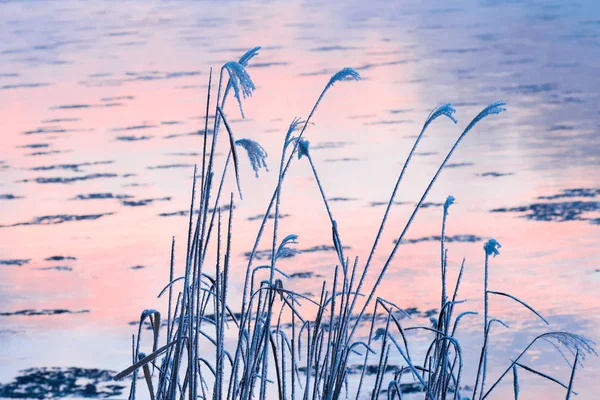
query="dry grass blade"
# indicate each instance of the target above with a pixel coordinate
(570, 388)
(538, 373)
(515, 382)
(520, 302)
(143, 361)
(233, 150)
(148, 378)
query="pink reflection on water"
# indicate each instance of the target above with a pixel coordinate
(549, 265)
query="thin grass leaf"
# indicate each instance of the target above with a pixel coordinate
(412, 367)
(538, 373)
(520, 302)
(384, 301)
(498, 321)
(169, 285)
(570, 388)
(148, 377)
(515, 382)
(576, 344)
(233, 150)
(143, 361)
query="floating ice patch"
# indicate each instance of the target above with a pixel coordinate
(190, 154)
(132, 138)
(428, 205)
(47, 153)
(134, 128)
(169, 166)
(72, 167)
(329, 145)
(266, 254)
(34, 146)
(385, 64)
(56, 382)
(57, 219)
(15, 262)
(361, 116)
(570, 193)
(196, 133)
(44, 130)
(458, 165)
(9, 196)
(268, 64)
(495, 174)
(181, 213)
(388, 122)
(447, 239)
(56, 268)
(332, 48)
(70, 179)
(530, 89)
(185, 213)
(559, 212)
(344, 159)
(71, 106)
(23, 86)
(305, 275)
(60, 258)
(144, 202)
(315, 249)
(271, 216)
(101, 196)
(35, 313)
(385, 203)
(117, 98)
(401, 110)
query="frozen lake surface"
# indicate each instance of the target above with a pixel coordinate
(101, 110)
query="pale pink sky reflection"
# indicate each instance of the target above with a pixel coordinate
(134, 102)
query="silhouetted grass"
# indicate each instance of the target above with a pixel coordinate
(278, 350)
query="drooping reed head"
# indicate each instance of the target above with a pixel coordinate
(572, 342)
(240, 80)
(256, 154)
(491, 247)
(345, 74)
(494, 108)
(445, 109)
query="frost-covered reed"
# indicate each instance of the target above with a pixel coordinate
(273, 349)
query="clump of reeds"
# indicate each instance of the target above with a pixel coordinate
(277, 350)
